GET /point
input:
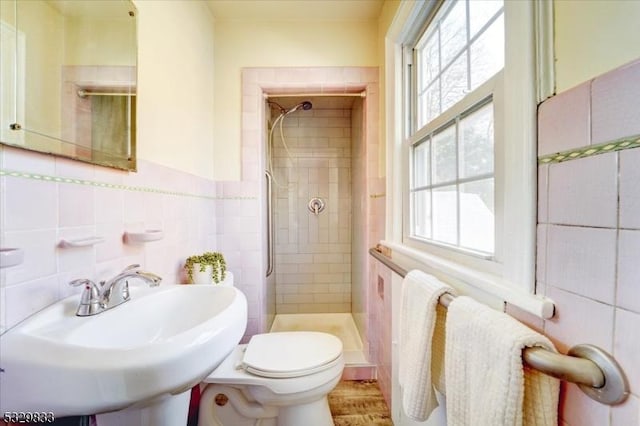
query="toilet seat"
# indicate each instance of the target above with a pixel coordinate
(291, 354)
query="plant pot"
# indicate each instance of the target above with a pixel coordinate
(203, 277)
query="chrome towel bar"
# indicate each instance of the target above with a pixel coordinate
(595, 371)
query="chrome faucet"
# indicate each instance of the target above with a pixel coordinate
(99, 298)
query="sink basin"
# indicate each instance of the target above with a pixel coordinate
(162, 342)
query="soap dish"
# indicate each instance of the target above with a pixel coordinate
(144, 236)
(10, 257)
(80, 242)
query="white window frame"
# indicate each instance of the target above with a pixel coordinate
(510, 275)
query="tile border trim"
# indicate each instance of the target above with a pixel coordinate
(86, 182)
(588, 151)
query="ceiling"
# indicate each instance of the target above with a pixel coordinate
(288, 10)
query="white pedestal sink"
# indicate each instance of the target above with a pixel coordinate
(141, 357)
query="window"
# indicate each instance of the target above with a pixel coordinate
(452, 194)
(452, 181)
(461, 124)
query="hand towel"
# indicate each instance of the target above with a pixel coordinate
(487, 383)
(420, 293)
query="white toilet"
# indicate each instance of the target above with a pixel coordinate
(277, 379)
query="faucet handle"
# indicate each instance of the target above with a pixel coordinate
(131, 267)
(90, 299)
(82, 281)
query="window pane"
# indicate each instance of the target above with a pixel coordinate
(480, 12)
(421, 165)
(487, 53)
(429, 104)
(454, 82)
(422, 213)
(453, 32)
(445, 215)
(477, 213)
(476, 143)
(429, 61)
(443, 161)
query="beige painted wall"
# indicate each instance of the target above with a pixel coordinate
(242, 44)
(113, 41)
(175, 85)
(593, 37)
(387, 14)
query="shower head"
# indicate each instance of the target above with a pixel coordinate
(306, 105)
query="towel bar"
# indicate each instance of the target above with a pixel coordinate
(595, 371)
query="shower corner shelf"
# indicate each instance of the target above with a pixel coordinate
(80, 242)
(144, 236)
(10, 257)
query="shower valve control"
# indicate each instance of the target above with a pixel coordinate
(316, 205)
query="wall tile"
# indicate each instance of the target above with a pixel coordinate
(584, 192)
(579, 320)
(627, 413)
(577, 409)
(582, 260)
(628, 288)
(629, 188)
(112, 247)
(72, 258)
(28, 298)
(564, 121)
(541, 257)
(42, 207)
(75, 205)
(543, 193)
(615, 108)
(29, 204)
(626, 346)
(311, 137)
(39, 248)
(108, 205)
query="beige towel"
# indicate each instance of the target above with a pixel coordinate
(485, 377)
(420, 293)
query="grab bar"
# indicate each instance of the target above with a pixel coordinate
(595, 371)
(269, 223)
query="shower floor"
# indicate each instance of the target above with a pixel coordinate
(340, 325)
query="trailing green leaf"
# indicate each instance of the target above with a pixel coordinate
(214, 259)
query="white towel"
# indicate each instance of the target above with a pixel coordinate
(485, 376)
(420, 293)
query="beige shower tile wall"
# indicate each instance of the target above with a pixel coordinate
(313, 253)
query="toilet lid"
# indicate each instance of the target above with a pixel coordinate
(291, 353)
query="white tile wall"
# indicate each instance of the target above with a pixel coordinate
(313, 263)
(629, 194)
(37, 214)
(628, 270)
(584, 192)
(582, 260)
(589, 241)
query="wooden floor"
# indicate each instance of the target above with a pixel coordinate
(359, 403)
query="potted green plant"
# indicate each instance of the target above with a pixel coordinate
(206, 268)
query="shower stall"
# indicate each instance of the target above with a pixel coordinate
(316, 231)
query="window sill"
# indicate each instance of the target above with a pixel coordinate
(480, 285)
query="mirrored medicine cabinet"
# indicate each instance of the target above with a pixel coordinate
(68, 79)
